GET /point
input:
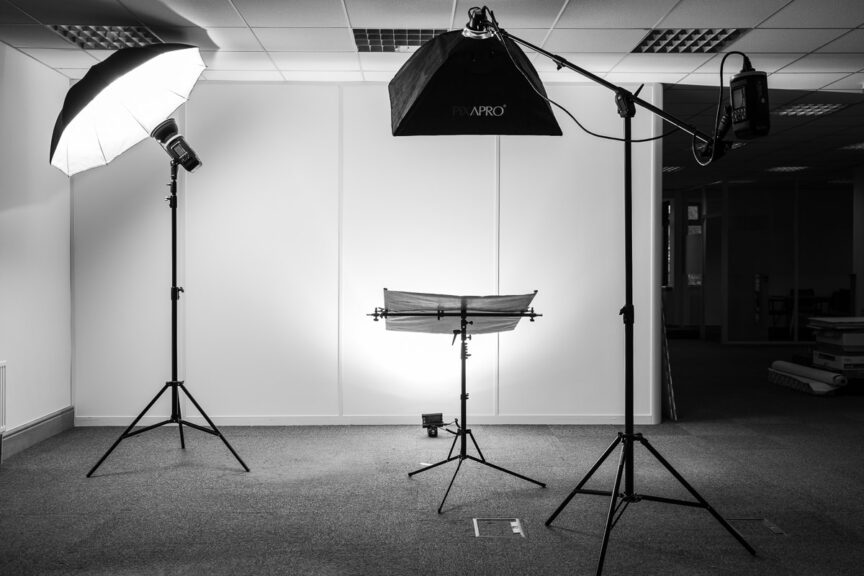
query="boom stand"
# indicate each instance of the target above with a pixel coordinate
(174, 384)
(464, 432)
(619, 500)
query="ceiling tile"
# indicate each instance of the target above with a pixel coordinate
(307, 39)
(95, 12)
(100, 55)
(813, 13)
(827, 63)
(222, 60)
(73, 73)
(9, 14)
(304, 61)
(322, 76)
(234, 39)
(676, 63)
(594, 40)
(850, 42)
(783, 81)
(378, 76)
(777, 41)
(644, 78)
(187, 35)
(374, 61)
(850, 82)
(596, 63)
(243, 75)
(762, 62)
(725, 14)
(293, 13)
(399, 13)
(185, 13)
(707, 79)
(553, 77)
(32, 37)
(534, 36)
(74, 58)
(614, 13)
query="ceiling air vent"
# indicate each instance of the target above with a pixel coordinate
(808, 109)
(393, 40)
(688, 40)
(106, 37)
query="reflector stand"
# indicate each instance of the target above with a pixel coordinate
(411, 309)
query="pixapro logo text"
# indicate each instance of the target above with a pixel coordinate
(479, 111)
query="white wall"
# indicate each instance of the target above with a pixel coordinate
(306, 208)
(121, 283)
(35, 308)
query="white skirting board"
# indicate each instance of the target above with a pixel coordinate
(25, 436)
(372, 420)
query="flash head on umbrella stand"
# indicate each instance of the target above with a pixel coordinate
(173, 142)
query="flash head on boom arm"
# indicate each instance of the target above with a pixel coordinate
(748, 92)
(477, 26)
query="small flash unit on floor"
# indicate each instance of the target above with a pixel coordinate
(432, 422)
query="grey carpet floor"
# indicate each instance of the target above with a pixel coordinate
(784, 468)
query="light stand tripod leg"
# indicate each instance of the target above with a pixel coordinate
(425, 468)
(129, 429)
(213, 426)
(176, 415)
(458, 466)
(698, 497)
(477, 446)
(585, 478)
(505, 470)
(452, 446)
(612, 509)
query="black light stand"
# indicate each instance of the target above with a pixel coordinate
(463, 432)
(620, 499)
(174, 383)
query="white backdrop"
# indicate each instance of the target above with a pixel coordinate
(306, 208)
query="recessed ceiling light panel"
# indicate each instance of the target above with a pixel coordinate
(859, 147)
(392, 39)
(106, 37)
(808, 109)
(688, 40)
(786, 169)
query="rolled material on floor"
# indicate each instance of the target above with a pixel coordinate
(801, 383)
(809, 373)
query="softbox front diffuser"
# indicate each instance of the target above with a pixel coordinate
(459, 85)
(119, 102)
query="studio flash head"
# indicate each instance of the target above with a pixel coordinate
(748, 91)
(173, 142)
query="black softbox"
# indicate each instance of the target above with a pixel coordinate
(459, 85)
